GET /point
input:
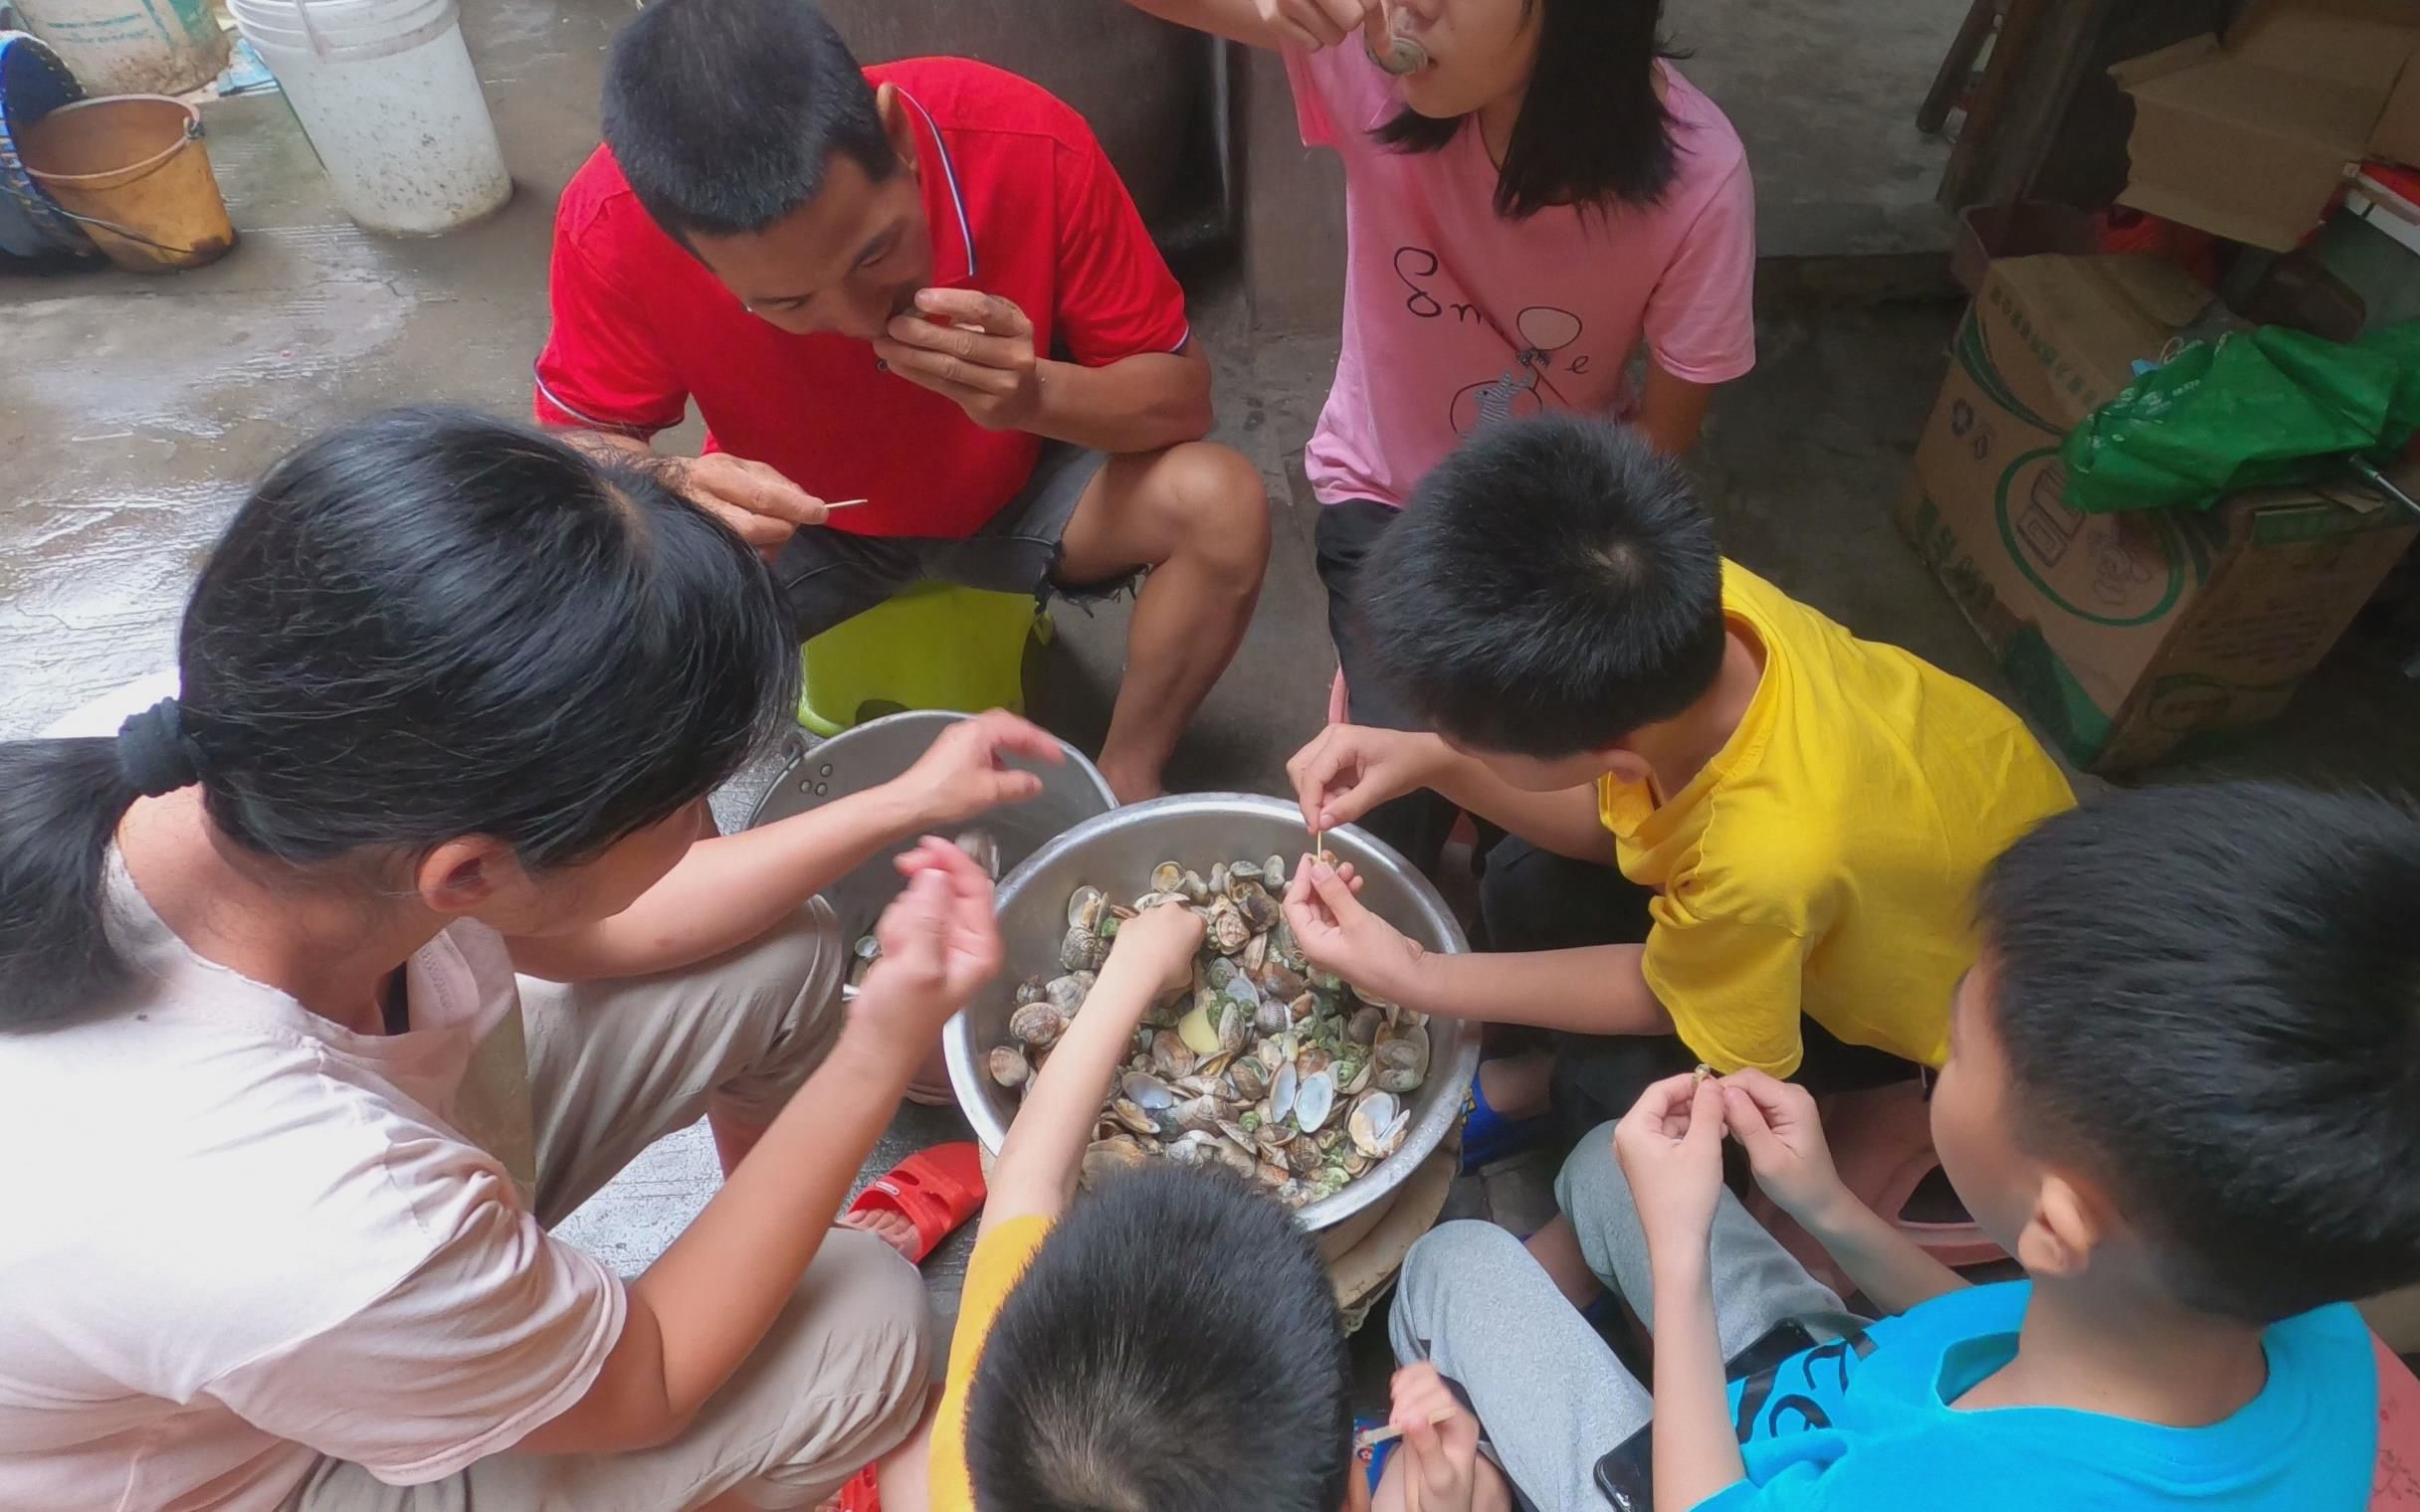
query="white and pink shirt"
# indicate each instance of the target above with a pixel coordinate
(1455, 316)
(238, 1237)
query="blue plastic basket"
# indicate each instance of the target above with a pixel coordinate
(32, 84)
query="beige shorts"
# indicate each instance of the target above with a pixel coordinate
(839, 1381)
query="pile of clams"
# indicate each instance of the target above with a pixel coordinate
(1281, 1073)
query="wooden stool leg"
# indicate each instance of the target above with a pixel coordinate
(1973, 32)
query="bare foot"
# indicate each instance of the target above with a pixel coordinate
(893, 1229)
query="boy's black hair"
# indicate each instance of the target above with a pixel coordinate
(2209, 996)
(1592, 130)
(1550, 588)
(723, 114)
(1174, 1347)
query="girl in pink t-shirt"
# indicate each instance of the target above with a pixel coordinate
(1522, 213)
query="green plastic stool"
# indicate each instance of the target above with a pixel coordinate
(935, 647)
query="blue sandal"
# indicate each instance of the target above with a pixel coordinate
(1488, 1136)
(1375, 1465)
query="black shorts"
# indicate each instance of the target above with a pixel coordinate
(827, 576)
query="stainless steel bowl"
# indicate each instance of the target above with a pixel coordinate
(875, 752)
(1116, 852)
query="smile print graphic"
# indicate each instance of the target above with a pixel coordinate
(1544, 330)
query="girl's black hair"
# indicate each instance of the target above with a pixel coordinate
(1592, 129)
(425, 625)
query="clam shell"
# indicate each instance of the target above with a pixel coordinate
(1196, 1148)
(1008, 1067)
(1313, 1100)
(1171, 1054)
(1250, 1078)
(1229, 931)
(1197, 1113)
(1375, 1118)
(1284, 1089)
(1106, 1158)
(1146, 1091)
(1083, 949)
(1038, 1023)
(1259, 909)
(1133, 1118)
(1083, 908)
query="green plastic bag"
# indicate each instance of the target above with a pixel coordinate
(2261, 409)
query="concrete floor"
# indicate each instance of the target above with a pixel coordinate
(133, 411)
(1824, 94)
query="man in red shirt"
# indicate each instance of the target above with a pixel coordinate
(925, 328)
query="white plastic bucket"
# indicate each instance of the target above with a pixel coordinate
(133, 46)
(385, 90)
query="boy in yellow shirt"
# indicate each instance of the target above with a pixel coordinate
(1741, 835)
(1171, 1341)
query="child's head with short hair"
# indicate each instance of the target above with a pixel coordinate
(1551, 588)
(1176, 1346)
(2187, 1064)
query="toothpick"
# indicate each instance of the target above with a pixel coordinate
(1370, 1438)
(845, 504)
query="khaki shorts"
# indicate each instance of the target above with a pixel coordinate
(841, 1378)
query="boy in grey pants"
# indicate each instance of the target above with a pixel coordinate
(1551, 1397)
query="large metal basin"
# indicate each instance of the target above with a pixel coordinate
(1116, 852)
(875, 752)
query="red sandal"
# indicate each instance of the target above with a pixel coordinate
(936, 1190)
(858, 1495)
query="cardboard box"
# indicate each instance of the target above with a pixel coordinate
(2397, 135)
(2127, 636)
(2251, 138)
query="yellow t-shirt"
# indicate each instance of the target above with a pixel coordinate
(1824, 861)
(994, 1271)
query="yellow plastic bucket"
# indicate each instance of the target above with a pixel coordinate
(934, 646)
(133, 171)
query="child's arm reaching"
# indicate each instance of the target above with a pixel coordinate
(1776, 1123)
(1595, 990)
(1670, 1149)
(1038, 1160)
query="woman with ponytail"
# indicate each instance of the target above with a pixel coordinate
(1532, 193)
(327, 986)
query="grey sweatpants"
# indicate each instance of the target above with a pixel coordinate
(1551, 1395)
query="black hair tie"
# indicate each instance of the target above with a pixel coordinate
(155, 754)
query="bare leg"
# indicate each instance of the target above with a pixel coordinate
(1519, 1086)
(1556, 1249)
(1198, 517)
(903, 1475)
(732, 1140)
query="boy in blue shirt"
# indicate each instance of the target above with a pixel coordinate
(2183, 1090)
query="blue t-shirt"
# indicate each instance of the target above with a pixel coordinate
(1865, 1425)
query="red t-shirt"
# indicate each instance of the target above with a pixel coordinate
(1024, 205)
